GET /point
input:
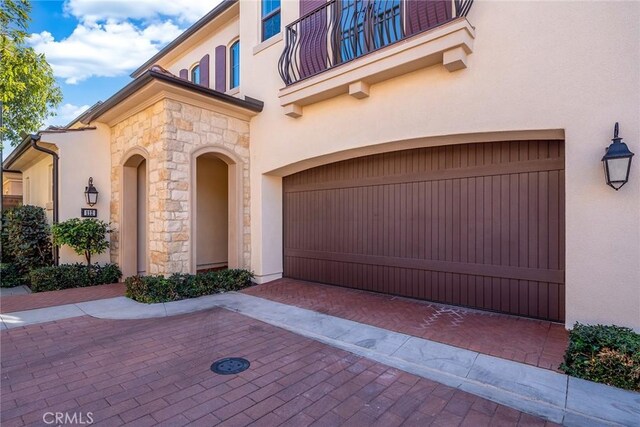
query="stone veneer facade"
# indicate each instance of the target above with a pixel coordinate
(170, 131)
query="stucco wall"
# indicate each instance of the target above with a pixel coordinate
(37, 184)
(212, 212)
(225, 35)
(76, 150)
(570, 67)
(12, 184)
(169, 132)
(82, 154)
(141, 209)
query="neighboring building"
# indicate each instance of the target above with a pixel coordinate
(81, 150)
(11, 189)
(12, 183)
(427, 149)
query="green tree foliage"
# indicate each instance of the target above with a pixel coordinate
(14, 17)
(28, 238)
(85, 236)
(28, 90)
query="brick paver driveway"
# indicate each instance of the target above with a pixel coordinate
(535, 342)
(156, 371)
(10, 304)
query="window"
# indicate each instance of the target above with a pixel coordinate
(195, 74)
(270, 18)
(234, 70)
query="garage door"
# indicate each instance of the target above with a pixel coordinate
(478, 225)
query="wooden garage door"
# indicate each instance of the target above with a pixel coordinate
(478, 225)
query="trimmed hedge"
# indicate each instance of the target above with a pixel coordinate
(10, 276)
(604, 354)
(152, 289)
(76, 275)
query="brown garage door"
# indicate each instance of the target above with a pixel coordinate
(478, 225)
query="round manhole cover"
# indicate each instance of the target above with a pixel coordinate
(230, 365)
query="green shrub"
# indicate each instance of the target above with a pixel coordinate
(605, 354)
(85, 236)
(108, 273)
(28, 238)
(187, 285)
(151, 289)
(5, 254)
(10, 276)
(76, 275)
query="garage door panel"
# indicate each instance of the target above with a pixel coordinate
(477, 224)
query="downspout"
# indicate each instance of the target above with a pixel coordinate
(35, 146)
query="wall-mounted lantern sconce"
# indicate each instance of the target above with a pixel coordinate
(91, 193)
(617, 162)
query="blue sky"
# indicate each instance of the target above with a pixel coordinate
(93, 45)
(49, 16)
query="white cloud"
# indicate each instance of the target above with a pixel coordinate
(184, 11)
(104, 50)
(106, 43)
(65, 113)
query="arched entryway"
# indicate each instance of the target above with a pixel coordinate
(133, 232)
(216, 220)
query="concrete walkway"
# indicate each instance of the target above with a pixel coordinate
(553, 396)
(18, 290)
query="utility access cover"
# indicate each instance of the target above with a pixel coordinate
(230, 365)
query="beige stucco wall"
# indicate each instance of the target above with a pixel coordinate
(212, 212)
(168, 133)
(37, 184)
(141, 208)
(224, 35)
(569, 67)
(83, 154)
(12, 184)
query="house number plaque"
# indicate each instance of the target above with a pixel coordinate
(88, 213)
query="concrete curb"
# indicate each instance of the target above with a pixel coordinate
(547, 394)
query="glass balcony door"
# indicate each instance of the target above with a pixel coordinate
(367, 25)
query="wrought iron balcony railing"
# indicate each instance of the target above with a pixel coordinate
(342, 30)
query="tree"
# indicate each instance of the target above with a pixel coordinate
(14, 17)
(28, 90)
(85, 236)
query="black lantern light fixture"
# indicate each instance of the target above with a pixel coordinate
(617, 162)
(91, 193)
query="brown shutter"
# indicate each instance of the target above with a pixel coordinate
(313, 37)
(425, 14)
(221, 68)
(204, 70)
(307, 6)
(184, 74)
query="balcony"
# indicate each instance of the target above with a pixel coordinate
(344, 46)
